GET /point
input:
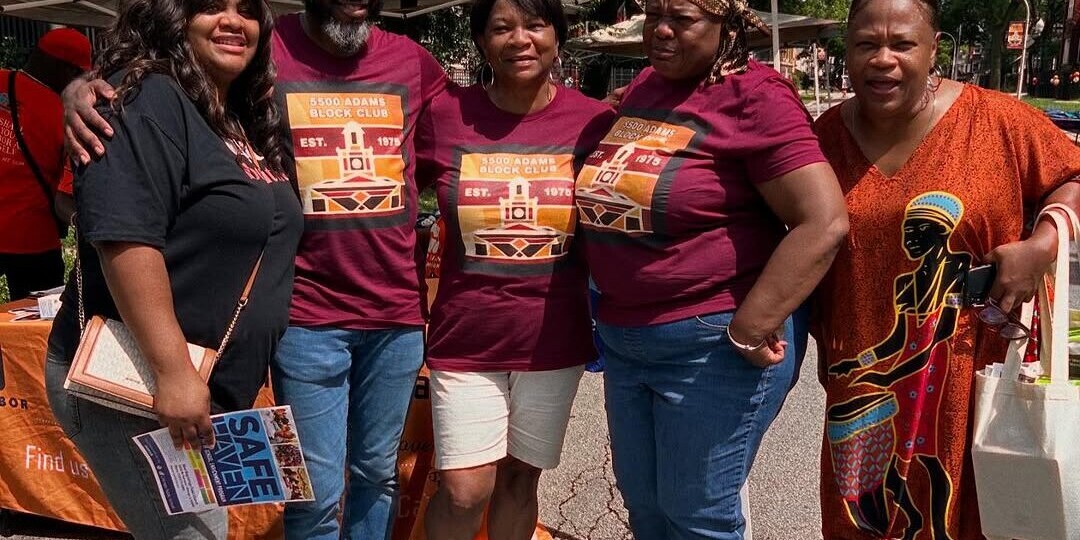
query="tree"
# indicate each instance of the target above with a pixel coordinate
(447, 36)
(11, 54)
(989, 21)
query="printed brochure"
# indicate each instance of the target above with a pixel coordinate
(256, 459)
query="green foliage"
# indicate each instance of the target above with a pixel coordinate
(428, 202)
(1046, 103)
(986, 22)
(445, 33)
(821, 9)
(11, 54)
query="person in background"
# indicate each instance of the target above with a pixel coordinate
(188, 208)
(32, 163)
(351, 95)
(709, 215)
(510, 331)
(939, 178)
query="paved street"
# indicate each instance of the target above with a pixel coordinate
(579, 500)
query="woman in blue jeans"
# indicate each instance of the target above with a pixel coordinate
(709, 215)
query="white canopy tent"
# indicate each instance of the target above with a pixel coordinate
(101, 12)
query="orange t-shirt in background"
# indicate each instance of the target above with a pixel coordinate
(26, 216)
(898, 349)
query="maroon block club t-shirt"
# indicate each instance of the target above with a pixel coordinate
(512, 291)
(673, 224)
(351, 123)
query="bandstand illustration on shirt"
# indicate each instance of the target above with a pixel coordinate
(519, 236)
(359, 189)
(602, 205)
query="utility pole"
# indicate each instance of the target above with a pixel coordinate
(1066, 41)
(1023, 51)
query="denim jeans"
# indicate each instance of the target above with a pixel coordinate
(687, 414)
(350, 392)
(103, 436)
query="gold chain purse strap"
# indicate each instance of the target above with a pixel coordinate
(240, 305)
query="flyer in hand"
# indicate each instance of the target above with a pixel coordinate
(256, 459)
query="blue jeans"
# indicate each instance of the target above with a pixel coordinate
(103, 436)
(350, 392)
(686, 415)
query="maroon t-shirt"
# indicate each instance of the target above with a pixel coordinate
(673, 224)
(352, 122)
(512, 290)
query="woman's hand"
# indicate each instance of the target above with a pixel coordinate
(615, 97)
(771, 352)
(1020, 267)
(182, 403)
(82, 123)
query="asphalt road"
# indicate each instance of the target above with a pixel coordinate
(578, 501)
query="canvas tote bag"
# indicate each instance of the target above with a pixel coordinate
(1026, 439)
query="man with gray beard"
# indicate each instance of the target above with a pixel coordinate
(351, 94)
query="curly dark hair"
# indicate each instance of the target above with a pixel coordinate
(150, 36)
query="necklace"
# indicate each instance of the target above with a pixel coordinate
(926, 130)
(490, 90)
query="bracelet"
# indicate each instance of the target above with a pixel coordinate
(741, 346)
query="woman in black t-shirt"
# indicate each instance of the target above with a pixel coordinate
(189, 195)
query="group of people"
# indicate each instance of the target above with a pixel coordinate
(706, 206)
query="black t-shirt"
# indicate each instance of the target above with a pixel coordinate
(168, 181)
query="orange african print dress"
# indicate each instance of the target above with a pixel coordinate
(898, 348)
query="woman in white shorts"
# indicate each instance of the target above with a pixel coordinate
(510, 330)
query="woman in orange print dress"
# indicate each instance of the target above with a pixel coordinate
(938, 177)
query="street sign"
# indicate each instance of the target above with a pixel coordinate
(1014, 39)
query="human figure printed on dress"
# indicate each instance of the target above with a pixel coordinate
(877, 436)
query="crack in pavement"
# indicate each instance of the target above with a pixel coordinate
(613, 507)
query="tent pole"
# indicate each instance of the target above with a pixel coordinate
(817, 91)
(776, 34)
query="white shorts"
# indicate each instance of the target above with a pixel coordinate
(481, 417)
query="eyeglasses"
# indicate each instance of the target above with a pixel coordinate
(1007, 326)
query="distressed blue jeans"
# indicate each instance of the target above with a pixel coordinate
(687, 414)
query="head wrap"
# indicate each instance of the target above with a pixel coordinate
(937, 206)
(728, 8)
(733, 54)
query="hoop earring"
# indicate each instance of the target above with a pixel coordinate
(556, 69)
(933, 80)
(487, 72)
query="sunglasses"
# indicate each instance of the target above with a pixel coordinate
(1007, 326)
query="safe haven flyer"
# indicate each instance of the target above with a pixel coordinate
(256, 459)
